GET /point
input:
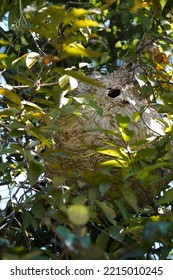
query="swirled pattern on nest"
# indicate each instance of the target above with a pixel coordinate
(80, 136)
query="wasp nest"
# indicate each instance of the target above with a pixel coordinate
(81, 135)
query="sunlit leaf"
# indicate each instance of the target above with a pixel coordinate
(4, 43)
(136, 116)
(122, 121)
(114, 163)
(31, 59)
(78, 50)
(74, 13)
(11, 96)
(31, 104)
(19, 59)
(3, 55)
(114, 153)
(82, 24)
(127, 134)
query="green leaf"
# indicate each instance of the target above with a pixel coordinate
(166, 197)
(167, 98)
(142, 80)
(165, 108)
(94, 194)
(22, 79)
(38, 210)
(108, 212)
(35, 170)
(154, 231)
(146, 153)
(38, 133)
(122, 121)
(117, 232)
(144, 173)
(102, 240)
(28, 220)
(58, 181)
(127, 134)
(130, 196)
(78, 214)
(11, 96)
(104, 187)
(123, 210)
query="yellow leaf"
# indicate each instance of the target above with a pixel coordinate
(19, 58)
(74, 13)
(85, 23)
(3, 55)
(2, 42)
(139, 4)
(80, 50)
(115, 163)
(112, 153)
(31, 104)
(11, 96)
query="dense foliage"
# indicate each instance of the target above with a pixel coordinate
(47, 48)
